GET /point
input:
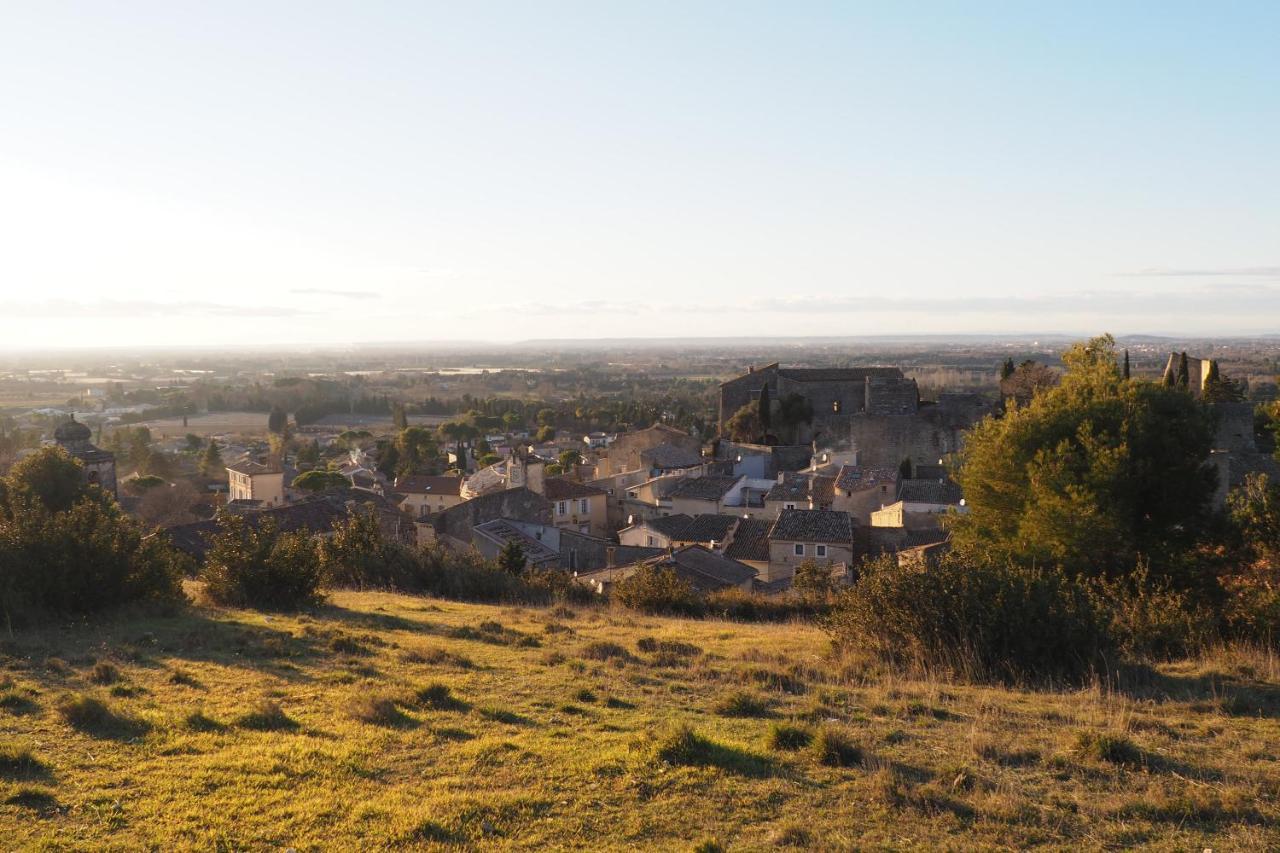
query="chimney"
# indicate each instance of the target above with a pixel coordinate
(610, 557)
(751, 368)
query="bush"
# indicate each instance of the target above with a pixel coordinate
(605, 650)
(788, 738)
(1111, 748)
(267, 716)
(972, 619)
(658, 590)
(742, 704)
(834, 749)
(742, 606)
(66, 547)
(358, 556)
(1148, 619)
(256, 565)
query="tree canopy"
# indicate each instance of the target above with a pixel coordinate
(1091, 474)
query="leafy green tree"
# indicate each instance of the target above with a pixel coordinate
(359, 555)
(813, 579)
(545, 434)
(277, 420)
(512, 559)
(511, 421)
(194, 442)
(254, 564)
(1091, 474)
(569, 458)
(744, 425)
(211, 464)
(157, 463)
(50, 477)
(319, 481)
(1219, 389)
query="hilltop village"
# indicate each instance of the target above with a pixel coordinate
(801, 465)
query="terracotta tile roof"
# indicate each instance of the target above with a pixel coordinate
(670, 456)
(707, 528)
(248, 466)
(750, 540)
(423, 484)
(705, 570)
(929, 492)
(812, 525)
(855, 478)
(703, 488)
(560, 489)
(669, 525)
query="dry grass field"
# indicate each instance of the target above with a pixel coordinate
(387, 721)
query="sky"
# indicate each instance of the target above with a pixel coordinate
(180, 173)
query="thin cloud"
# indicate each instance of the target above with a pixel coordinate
(142, 308)
(1158, 272)
(325, 291)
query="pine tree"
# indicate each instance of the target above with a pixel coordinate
(1184, 372)
(211, 462)
(1126, 364)
(511, 558)
(765, 413)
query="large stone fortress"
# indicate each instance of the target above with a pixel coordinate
(875, 410)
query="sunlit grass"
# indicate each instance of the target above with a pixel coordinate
(385, 721)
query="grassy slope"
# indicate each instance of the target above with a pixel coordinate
(521, 760)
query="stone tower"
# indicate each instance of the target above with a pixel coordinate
(99, 465)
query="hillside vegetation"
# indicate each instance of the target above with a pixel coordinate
(382, 720)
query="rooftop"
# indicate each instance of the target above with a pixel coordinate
(423, 484)
(502, 531)
(252, 468)
(929, 492)
(812, 525)
(667, 455)
(703, 488)
(707, 528)
(560, 489)
(855, 478)
(750, 540)
(705, 570)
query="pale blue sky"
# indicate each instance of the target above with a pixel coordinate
(184, 172)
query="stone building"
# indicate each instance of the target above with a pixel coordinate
(658, 447)
(875, 410)
(834, 394)
(99, 465)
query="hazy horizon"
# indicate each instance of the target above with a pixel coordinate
(316, 176)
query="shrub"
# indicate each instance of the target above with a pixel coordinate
(972, 619)
(198, 721)
(266, 716)
(104, 673)
(357, 555)
(1148, 619)
(67, 547)
(19, 762)
(1108, 747)
(658, 590)
(788, 738)
(438, 697)
(742, 606)
(379, 710)
(256, 565)
(742, 704)
(605, 650)
(91, 715)
(834, 749)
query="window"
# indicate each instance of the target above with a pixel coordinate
(835, 407)
(799, 549)
(650, 541)
(582, 506)
(562, 508)
(788, 506)
(822, 550)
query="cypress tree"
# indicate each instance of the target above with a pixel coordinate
(1184, 372)
(765, 413)
(1126, 364)
(1006, 369)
